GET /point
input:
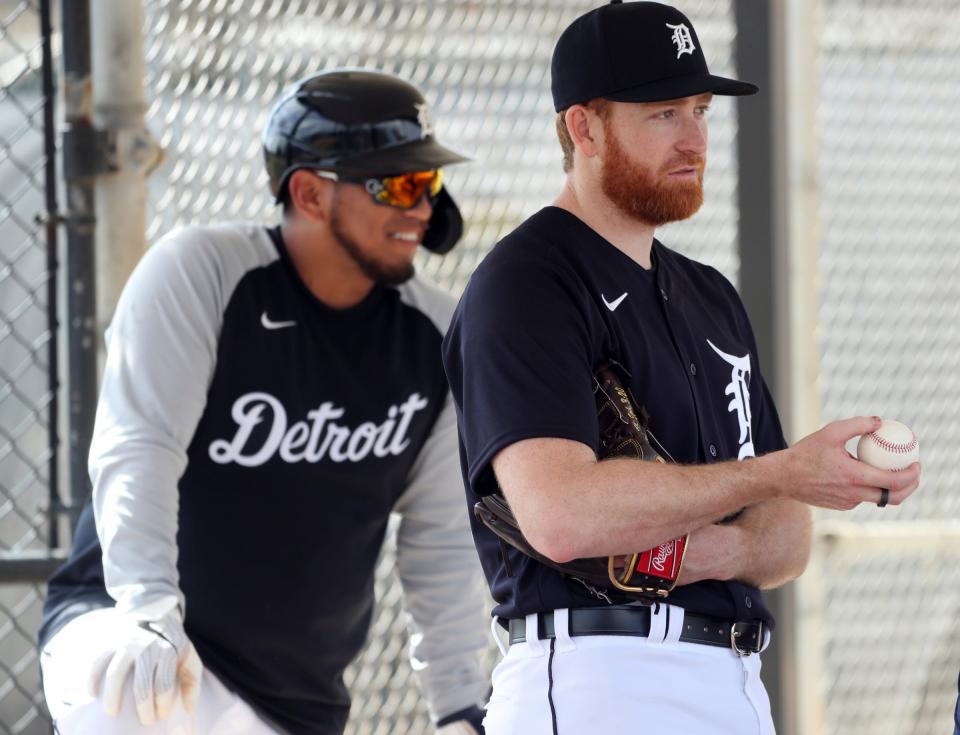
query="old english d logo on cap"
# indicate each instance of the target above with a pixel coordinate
(425, 119)
(633, 52)
(682, 39)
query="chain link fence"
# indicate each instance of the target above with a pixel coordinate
(890, 270)
(25, 337)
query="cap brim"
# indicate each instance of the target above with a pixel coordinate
(671, 89)
(420, 155)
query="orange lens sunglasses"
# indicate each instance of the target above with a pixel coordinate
(402, 191)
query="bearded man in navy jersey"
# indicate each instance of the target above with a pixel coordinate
(271, 396)
(579, 284)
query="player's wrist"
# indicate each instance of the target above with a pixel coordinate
(770, 476)
(153, 608)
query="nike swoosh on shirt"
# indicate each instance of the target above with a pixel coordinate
(268, 324)
(612, 305)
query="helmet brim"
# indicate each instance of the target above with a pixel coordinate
(420, 155)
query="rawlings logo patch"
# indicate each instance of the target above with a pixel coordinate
(662, 561)
(664, 553)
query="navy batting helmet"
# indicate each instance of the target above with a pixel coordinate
(360, 123)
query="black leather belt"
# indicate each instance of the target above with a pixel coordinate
(744, 637)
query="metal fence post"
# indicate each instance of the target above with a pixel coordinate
(778, 245)
(760, 241)
(84, 155)
(50, 231)
(119, 108)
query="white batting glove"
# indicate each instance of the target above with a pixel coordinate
(162, 659)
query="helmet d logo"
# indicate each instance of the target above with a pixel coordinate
(682, 39)
(424, 119)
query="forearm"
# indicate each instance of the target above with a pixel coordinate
(767, 545)
(661, 502)
(444, 598)
(622, 505)
(437, 564)
(774, 543)
(135, 505)
(569, 505)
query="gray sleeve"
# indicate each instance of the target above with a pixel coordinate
(444, 594)
(161, 353)
(439, 569)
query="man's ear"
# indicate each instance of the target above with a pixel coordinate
(585, 128)
(309, 194)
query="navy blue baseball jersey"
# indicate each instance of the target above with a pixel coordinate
(549, 304)
(250, 446)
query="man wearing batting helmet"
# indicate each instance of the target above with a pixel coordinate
(271, 396)
(578, 287)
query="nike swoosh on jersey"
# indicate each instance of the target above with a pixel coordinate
(268, 324)
(612, 305)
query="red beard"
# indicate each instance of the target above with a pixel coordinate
(640, 194)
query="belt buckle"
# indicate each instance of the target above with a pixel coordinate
(734, 634)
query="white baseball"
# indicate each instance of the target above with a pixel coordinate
(891, 447)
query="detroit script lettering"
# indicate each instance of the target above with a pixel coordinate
(319, 437)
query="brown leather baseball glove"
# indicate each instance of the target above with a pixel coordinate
(624, 432)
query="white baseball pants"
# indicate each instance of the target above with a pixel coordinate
(66, 661)
(598, 685)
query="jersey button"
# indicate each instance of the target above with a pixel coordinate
(663, 292)
(713, 450)
(747, 601)
(693, 369)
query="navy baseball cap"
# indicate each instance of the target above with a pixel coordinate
(633, 52)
